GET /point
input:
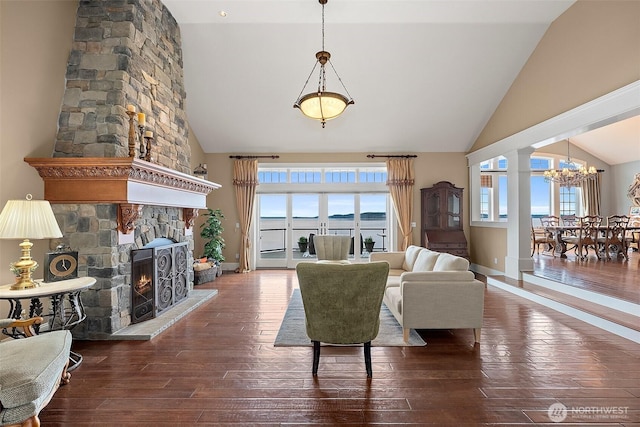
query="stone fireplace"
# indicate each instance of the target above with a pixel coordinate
(125, 52)
(159, 278)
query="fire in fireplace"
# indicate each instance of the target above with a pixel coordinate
(158, 280)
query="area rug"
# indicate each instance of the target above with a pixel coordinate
(293, 331)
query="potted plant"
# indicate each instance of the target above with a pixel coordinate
(369, 244)
(211, 230)
(303, 243)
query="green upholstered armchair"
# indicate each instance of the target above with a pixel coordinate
(342, 304)
(31, 369)
(332, 248)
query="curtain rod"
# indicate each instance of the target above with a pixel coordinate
(402, 156)
(255, 157)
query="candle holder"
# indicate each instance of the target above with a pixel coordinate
(143, 155)
(148, 140)
(132, 134)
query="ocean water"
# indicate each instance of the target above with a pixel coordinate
(273, 234)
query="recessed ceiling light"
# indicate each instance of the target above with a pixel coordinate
(222, 13)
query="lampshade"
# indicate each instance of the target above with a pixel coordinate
(323, 105)
(28, 219)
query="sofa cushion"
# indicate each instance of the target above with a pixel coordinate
(426, 260)
(393, 299)
(448, 262)
(394, 281)
(410, 256)
(30, 372)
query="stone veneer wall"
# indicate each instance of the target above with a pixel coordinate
(124, 52)
(91, 230)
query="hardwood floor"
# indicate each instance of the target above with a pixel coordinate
(218, 366)
(617, 278)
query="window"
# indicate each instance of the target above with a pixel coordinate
(323, 175)
(493, 190)
(272, 176)
(568, 201)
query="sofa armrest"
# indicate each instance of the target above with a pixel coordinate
(395, 259)
(26, 325)
(445, 305)
(443, 277)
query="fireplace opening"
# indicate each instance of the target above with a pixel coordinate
(159, 278)
(142, 289)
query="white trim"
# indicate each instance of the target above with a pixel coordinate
(610, 108)
(589, 318)
(590, 296)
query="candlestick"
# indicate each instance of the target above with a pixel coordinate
(132, 133)
(142, 119)
(131, 108)
(148, 140)
(139, 136)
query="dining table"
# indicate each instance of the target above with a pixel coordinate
(559, 231)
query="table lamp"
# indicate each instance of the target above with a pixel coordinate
(27, 219)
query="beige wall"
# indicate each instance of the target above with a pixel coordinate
(429, 169)
(36, 40)
(572, 64)
(589, 51)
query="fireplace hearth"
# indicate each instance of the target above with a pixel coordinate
(159, 280)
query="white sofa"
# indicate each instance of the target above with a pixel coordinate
(432, 290)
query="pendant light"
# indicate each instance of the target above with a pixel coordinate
(323, 105)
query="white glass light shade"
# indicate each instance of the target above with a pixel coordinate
(323, 105)
(28, 219)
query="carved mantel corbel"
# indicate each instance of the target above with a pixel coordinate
(128, 213)
(190, 215)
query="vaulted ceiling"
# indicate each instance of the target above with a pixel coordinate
(426, 75)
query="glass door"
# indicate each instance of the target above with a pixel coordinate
(305, 223)
(341, 218)
(374, 224)
(272, 230)
(287, 224)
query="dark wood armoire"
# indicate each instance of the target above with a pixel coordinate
(441, 215)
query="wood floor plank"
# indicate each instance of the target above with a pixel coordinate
(218, 366)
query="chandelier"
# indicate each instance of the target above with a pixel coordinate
(571, 175)
(322, 105)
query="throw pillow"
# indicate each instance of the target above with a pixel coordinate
(410, 256)
(448, 262)
(426, 260)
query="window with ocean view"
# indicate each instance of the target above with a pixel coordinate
(296, 203)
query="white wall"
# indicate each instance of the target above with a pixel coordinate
(622, 177)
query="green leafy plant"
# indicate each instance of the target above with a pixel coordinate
(368, 239)
(303, 244)
(212, 230)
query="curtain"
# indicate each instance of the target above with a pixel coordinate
(400, 180)
(245, 181)
(591, 196)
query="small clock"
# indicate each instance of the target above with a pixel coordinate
(61, 266)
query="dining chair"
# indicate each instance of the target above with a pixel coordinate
(586, 236)
(542, 236)
(549, 221)
(569, 221)
(342, 304)
(633, 236)
(614, 239)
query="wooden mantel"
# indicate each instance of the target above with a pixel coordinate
(127, 181)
